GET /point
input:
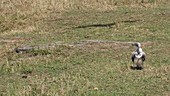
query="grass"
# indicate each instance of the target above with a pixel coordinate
(92, 69)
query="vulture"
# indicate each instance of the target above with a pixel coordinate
(138, 56)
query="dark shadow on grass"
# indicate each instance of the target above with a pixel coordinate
(135, 68)
(107, 25)
(96, 25)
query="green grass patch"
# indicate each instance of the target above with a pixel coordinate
(92, 69)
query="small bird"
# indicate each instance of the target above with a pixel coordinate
(138, 56)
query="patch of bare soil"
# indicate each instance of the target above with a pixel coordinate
(105, 45)
(13, 40)
(102, 45)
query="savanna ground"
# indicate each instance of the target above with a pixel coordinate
(74, 67)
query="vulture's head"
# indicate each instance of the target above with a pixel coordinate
(137, 44)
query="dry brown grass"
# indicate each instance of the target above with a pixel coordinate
(32, 6)
(22, 14)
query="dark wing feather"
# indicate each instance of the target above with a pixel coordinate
(143, 57)
(133, 57)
